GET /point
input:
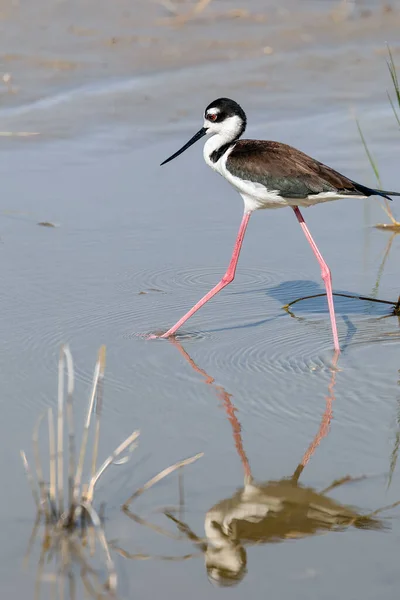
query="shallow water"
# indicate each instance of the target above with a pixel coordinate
(135, 246)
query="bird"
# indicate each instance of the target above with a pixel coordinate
(267, 174)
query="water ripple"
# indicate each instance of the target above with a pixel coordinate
(169, 279)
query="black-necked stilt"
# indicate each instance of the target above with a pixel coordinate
(267, 175)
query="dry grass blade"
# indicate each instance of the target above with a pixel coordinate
(99, 403)
(161, 475)
(30, 479)
(79, 470)
(112, 575)
(393, 459)
(94, 587)
(60, 431)
(52, 453)
(32, 538)
(70, 424)
(38, 464)
(342, 481)
(141, 556)
(382, 509)
(117, 452)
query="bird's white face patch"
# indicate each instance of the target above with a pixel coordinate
(228, 128)
(210, 119)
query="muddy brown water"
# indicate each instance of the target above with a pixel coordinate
(112, 91)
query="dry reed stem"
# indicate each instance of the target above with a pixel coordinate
(160, 476)
(141, 521)
(52, 464)
(38, 464)
(70, 422)
(60, 432)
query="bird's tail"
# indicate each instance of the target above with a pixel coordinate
(371, 192)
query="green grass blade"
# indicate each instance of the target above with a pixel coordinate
(369, 155)
(394, 109)
(393, 75)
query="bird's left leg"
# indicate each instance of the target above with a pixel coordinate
(325, 273)
(226, 280)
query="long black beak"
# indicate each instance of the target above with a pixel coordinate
(193, 140)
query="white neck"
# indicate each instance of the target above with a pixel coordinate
(213, 143)
(221, 134)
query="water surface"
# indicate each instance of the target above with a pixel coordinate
(111, 93)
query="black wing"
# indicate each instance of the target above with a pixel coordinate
(291, 172)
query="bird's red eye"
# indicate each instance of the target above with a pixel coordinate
(212, 116)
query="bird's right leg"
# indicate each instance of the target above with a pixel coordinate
(325, 274)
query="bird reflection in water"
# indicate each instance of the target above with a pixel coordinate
(260, 513)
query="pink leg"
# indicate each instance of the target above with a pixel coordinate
(227, 278)
(325, 273)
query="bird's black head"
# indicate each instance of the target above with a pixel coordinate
(224, 117)
(224, 110)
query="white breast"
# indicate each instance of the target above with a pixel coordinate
(255, 195)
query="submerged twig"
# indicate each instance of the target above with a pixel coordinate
(353, 296)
